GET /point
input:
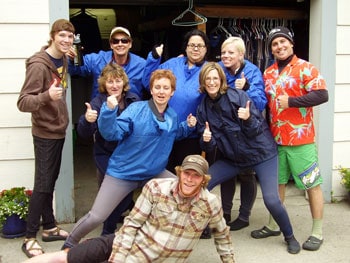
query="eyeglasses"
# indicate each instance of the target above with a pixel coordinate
(117, 40)
(193, 46)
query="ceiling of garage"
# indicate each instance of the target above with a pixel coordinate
(286, 3)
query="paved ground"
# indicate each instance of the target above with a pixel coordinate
(336, 247)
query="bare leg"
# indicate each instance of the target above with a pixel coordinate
(54, 257)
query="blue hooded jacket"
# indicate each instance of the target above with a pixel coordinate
(186, 97)
(145, 140)
(102, 149)
(95, 62)
(256, 89)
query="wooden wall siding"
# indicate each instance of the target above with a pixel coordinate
(341, 126)
(343, 65)
(22, 39)
(28, 12)
(17, 144)
(343, 17)
(12, 81)
(16, 173)
(12, 118)
(24, 27)
(343, 39)
(342, 95)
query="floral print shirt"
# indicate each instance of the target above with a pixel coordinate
(292, 126)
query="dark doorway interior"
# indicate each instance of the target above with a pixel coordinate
(150, 25)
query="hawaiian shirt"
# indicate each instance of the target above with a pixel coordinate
(292, 126)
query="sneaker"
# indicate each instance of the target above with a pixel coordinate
(206, 234)
(264, 232)
(238, 224)
(293, 246)
(312, 243)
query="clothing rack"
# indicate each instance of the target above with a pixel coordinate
(251, 23)
(253, 31)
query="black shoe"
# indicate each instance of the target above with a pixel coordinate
(238, 224)
(264, 232)
(312, 243)
(227, 218)
(293, 245)
(206, 234)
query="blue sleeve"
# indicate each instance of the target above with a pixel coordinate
(256, 90)
(184, 130)
(111, 127)
(151, 65)
(86, 129)
(85, 70)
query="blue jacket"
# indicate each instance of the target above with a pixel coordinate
(256, 89)
(145, 141)
(95, 62)
(244, 142)
(186, 97)
(102, 149)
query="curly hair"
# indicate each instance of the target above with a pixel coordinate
(112, 71)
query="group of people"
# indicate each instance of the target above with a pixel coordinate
(247, 125)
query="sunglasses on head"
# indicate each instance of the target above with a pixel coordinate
(117, 40)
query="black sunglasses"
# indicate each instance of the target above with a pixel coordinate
(117, 40)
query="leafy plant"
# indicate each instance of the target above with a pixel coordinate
(345, 175)
(14, 201)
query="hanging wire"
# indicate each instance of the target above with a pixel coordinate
(199, 19)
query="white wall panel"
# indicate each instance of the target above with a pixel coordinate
(343, 39)
(342, 127)
(17, 173)
(341, 153)
(342, 95)
(19, 11)
(12, 81)
(16, 144)
(22, 40)
(343, 7)
(12, 117)
(342, 69)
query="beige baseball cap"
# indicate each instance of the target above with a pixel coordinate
(121, 30)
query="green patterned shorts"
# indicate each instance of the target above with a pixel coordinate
(300, 162)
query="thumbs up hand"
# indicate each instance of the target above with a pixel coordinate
(240, 83)
(112, 101)
(244, 113)
(282, 100)
(207, 133)
(90, 114)
(55, 90)
(191, 120)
